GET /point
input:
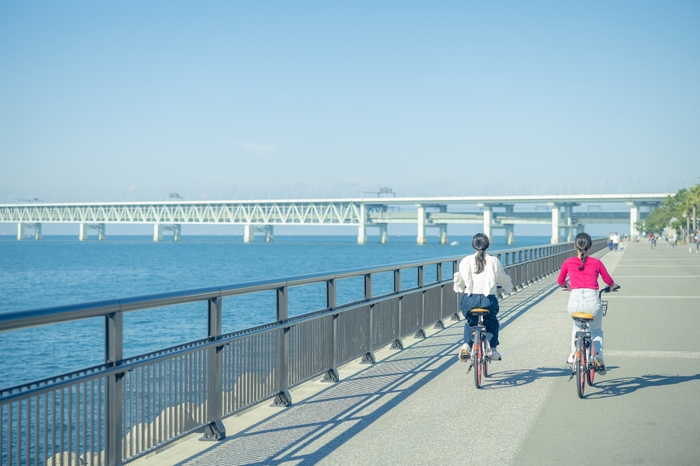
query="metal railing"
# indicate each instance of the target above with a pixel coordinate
(120, 410)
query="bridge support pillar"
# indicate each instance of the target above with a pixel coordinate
(248, 234)
(250, 230)
(422, 220)
(568, 213)
(634, 218)
(510, 237)
(443, 233)
(362, 228)
(383, 236)
(555, 223)
(488, 219)
(83, 235)
(158, 230)
(22, 230)
(85, 229)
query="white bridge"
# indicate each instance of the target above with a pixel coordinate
(378, 212)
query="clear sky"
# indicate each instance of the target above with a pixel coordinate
(134, 100)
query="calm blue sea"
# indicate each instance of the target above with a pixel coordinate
(61, 270)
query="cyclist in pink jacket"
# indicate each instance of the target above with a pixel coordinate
(583, 272)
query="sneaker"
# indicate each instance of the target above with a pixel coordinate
(495, 355)
(570, 359)
(600, 365)
(464, 354)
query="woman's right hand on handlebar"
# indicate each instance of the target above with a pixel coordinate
(608, 289)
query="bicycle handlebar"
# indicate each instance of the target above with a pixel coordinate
(607, 289)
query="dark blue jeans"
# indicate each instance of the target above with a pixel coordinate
(489, 302)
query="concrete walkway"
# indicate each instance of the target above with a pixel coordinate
(418, 405)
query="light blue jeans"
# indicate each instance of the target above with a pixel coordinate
(586, 300)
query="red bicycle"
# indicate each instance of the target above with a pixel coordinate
(481, 349)
(584, 365)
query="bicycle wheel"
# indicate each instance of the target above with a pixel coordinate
(590, 373)
(580, 364)
(478, 362)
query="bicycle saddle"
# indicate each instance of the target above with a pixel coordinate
(582, 316)
(479, 310)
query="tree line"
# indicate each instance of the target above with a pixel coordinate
(679, 212)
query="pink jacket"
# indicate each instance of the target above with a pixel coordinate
(586, 278)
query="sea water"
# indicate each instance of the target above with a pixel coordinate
(61, 270)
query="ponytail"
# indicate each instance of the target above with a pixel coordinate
(480, 242)
(583, 243)
(582, 256)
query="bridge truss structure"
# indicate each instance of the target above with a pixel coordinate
(261, 216)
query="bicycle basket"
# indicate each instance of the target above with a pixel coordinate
(605, 307)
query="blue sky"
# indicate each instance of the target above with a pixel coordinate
(134, 100)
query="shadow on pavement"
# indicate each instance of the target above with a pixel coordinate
(308, 431)
(334, 415)
(627, 385)
(516, 378)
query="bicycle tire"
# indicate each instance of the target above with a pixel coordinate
(486, 368)
(590, 373)
(478, 363)
(580, 373)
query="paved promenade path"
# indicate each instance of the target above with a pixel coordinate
(418, 406)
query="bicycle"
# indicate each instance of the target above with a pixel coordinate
(480, 356)
(584, 365)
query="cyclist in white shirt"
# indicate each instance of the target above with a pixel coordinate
(478, 278)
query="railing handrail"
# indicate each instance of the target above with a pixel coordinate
(15, 320)
(173, 391)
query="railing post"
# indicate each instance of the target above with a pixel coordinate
(215, 429)
(368, 357)
(368, 286)
(420, 333)
(397, 343)
(114, 351)
(439, 323)
(283, 398)
(455, 316)
(332, 373)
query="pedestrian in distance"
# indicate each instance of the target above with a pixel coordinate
(615, 240)
(582, 273)
(478, 278)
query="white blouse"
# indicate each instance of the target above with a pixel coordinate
(486, 282)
